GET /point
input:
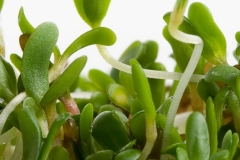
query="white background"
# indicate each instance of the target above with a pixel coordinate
(130, 19)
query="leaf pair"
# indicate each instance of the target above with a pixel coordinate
(199, 22)
(93, 11)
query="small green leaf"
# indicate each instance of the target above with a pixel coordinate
(29, 103)
(201, 18)
(119, 96)
(143, 91)
(8, 82)
(85, 124)
(47, 143)
(221, 155)
(92, 11)
(127, 82)
(31, 134)
(163, 109)
(227, 141)
(207, 89)
(182, 54)
(237, 37)
(137, 126)
(101, 155)
(157, 86)
(219, 103)
(17, 61)
(181, 154)
(65, 80)
(197, 137)
(235, 141)
(130, 154)
(212, 126)
(35, 61)
(109, 107)
(100, 79)
(58, 153)
(172, 149)
(98, 99)
(100, 35)
(1, 4)
(110, 130)
(233, 104)
(223, 73)
(23, 23)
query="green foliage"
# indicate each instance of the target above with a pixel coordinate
(125, 113)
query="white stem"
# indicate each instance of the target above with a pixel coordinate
(149, 73)
(186, 38)
(151, 136)
(10, 107)
(7, 136)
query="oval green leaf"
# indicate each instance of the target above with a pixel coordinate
(197, 137)
(36, 57)
(110, 130)
(201, 18)
(92, 11)
(31, 134)
(65, 80)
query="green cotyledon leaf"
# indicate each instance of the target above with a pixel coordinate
(23, 22)
(143, 90)
(223, 73)
(182, 52)
(197, 137)
(47, 143)
(110, 130)
(92, 11)
(85, 124)
(65, 80)
(8, 81)
(100, 35)
(119, 96)
(31, 134)
(100, 79)
(202, 19)
(36, 57)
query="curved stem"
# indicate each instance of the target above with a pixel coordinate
(10, 107)
(175, 21)
(149, 73)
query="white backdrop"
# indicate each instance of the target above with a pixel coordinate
(130, 19)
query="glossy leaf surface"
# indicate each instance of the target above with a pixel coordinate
(119, 96)
(101, 155)
(131, 154)
(23, 22)
(31, 134)
(100, 79)
(29, 103)
(110, 130)
(207, 89)
(47, 143)
(212, 126)
(197, 137)
(100, 35)
(92, 11)
(8, 82)
(17, 61)
(201, 18)
(143, 91)
(65, 80)
(85, 124)
(219, 104)
(223, 73)
(34, 71)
